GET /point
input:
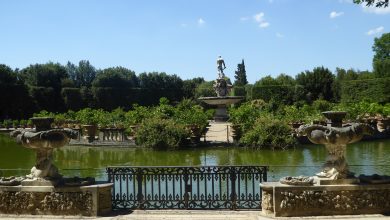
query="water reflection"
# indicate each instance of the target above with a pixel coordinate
(91, 161)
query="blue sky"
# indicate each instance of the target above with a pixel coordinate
(184, 37)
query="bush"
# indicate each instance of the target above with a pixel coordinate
(245, 115)
(269, 133)
(161, 133)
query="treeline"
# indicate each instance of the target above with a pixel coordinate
(320, 83)
(59, 88)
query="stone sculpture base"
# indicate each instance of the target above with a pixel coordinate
(319, 200)
(90, 200)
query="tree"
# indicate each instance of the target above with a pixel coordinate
(377, 3)
(190, 85)
(85, 74)
(317, 83)
(45, 84)
(15, 101)
(240, 75)
(381, 60)
(116, 77)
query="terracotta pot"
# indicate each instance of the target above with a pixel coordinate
(90, 131)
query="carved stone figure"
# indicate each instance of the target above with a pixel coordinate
(220, 66)
(297, 181)
(43, 142)
(335, 140)
(221, 87)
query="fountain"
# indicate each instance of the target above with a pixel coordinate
(45, 190)
(222, 89)
(334, 190)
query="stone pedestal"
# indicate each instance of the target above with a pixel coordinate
(90, 200)
(319, 200)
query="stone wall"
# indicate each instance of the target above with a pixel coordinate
(45, 200)
(283, 200)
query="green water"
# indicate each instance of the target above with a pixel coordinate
(91, 161)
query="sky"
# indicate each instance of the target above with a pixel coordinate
(185, 37)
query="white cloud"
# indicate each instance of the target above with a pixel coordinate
(201, 22)
(263, 24)
(346, 1)
(244, 18)
(334, 14)
(271, 1)
(259, 18)
(184, 25)
(375, 10)
(279, 35)
(375, 30)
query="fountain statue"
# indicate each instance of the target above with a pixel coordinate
(43, 140)
(45, 190)
(222, 89)
(334, 190)
(335, 137)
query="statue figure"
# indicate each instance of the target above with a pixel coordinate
(220, 66)
(335, 140)
(44, 142)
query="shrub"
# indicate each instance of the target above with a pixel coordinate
(161, 133)
(245, 115)
(268, 132)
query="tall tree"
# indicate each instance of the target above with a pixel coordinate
(381, 60)
(240, 75)
(317, 83)
(86, 73)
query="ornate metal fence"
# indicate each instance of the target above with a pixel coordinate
(205, 187)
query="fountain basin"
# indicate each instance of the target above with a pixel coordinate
(226, 100)
(221, 102)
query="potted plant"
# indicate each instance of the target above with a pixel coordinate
(89, 121)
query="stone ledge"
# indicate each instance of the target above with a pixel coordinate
(284, 200)
(90, 200)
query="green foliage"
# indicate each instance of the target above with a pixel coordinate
(377, 3)
(189, 86)
(44, 113)
(317, 84)
(161, 133)
(360, 109)
(137, 115)
(268, 132)
(89, 116)
(192, 115)
(372, 90)
(381, 60)
(118, 77)
(15, 101)
(240, 75)
(239, 91)
(205, 89)
(72, 98)
(245, 115)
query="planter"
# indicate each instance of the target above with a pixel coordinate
(383, 124)
(90, 131)
(236, 132)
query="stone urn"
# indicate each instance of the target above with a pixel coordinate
(383, 124)
(335, 138)
(43, 140)
(90, 132)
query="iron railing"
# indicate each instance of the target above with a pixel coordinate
(200, 187)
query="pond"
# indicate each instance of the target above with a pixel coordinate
(364, 158)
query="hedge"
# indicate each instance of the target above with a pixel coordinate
(372, 90)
